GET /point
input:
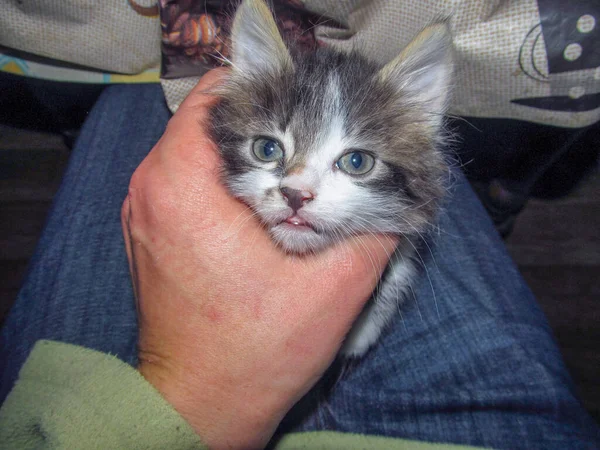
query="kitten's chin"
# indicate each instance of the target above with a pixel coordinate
(298, 239)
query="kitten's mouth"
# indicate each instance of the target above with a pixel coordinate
(297, 223)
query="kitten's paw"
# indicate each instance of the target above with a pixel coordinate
(363, 335)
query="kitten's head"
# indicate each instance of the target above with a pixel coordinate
(326, 145)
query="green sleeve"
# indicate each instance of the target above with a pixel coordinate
(69, 397)
(333, 440)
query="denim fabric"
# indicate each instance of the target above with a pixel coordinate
(78, 288)
(470, 359)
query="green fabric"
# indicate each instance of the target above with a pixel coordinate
(69, 397)
(332, 440)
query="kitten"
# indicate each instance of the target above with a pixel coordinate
(326, 145)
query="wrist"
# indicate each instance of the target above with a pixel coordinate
(238, 418)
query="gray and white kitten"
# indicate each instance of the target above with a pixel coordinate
(326, 145)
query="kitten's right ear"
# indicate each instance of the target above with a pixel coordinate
(257, 46)
(423, 71)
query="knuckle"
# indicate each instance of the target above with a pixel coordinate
(139, 177)
(125, 210)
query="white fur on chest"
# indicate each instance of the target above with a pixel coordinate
(385, 303)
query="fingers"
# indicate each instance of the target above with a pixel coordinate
(125, 218)
(187, 138)
(377, 247)
(125, 211)
(185, 159)
(203, 95)
(357, 265)
(362, 252)
(371, 254)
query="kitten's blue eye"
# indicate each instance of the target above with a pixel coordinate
(356, 163)
(267, 149)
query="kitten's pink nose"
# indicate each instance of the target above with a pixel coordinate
(296, 198)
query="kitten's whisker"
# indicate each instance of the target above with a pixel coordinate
(424, 240)
(253, 213)
(317, 24)
(253, 240)
(376, 269)
(243, 222)
(462, 119)
(236, 123)
(410, 287)
(398, 288)
(428, 277)
(256, 105)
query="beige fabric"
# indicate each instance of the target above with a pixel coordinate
(487, 37)
(177, 90)
(108, 34)
(112, 35)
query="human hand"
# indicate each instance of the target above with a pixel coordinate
(232, 331)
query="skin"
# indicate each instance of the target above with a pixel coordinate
(232, 330)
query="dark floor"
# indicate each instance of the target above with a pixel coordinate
(555, 243)
(31, 166)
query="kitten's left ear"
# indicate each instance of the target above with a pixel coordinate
(423, 71)
(257, 46)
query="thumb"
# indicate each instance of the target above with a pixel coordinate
(360, 264)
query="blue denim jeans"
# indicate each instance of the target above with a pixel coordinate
(469, 360)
